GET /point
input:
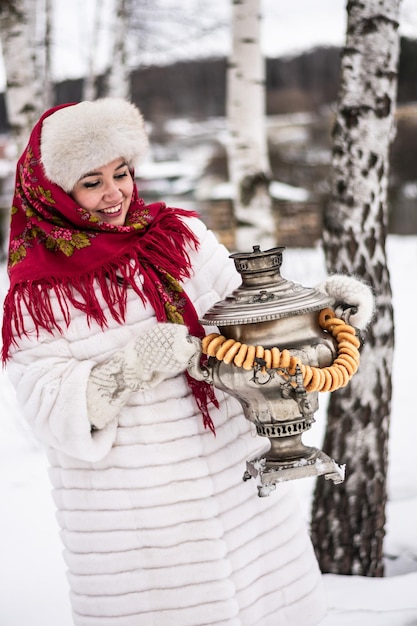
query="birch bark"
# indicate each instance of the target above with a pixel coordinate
(23, 100)
(348, 520)
(249, 168)
(119, 75)
(48, 91)
(89, 90)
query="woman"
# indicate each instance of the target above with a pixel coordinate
(100, 326)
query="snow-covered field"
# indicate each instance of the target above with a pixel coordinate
(33, 586)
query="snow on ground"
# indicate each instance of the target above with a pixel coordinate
(33, 586)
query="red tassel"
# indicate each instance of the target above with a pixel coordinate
(203, 394)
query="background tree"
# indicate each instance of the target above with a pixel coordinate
(48, 90)
(90, 87)
(348, 520)
(23, 88)
(118, 80)
(248, 161)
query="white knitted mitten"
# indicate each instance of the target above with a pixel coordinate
(162, 352)
(353, 299)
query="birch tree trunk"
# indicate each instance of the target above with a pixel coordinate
(249, 169)
(348, 520)
(39, 44)
(89, 90)
(118, 84)
(48, 92)
(23, 100)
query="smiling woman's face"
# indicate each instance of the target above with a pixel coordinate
(106, 192)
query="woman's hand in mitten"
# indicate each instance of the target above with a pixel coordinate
(353, 300)
(162, 352)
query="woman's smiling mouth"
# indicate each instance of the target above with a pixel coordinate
(112, 210)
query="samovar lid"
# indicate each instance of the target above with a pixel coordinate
(263, 295)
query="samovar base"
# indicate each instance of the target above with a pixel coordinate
(268, 473)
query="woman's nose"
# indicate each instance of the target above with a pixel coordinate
(112, 191)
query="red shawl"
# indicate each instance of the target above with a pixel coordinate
(58, 248)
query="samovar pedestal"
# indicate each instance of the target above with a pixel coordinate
(315, 462)
(288, 458)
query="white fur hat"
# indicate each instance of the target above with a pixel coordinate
(79, 138)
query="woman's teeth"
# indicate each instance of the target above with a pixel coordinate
(114, 209)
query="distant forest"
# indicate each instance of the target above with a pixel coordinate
(197, 88)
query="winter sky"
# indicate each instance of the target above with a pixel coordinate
(287, 28)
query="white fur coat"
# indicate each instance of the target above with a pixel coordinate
(158, 526)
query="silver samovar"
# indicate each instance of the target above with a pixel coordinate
(267, 310)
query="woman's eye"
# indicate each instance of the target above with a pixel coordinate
(122, 175)
(90, 185)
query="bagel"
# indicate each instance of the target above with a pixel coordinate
(215, 344)
(351, 353)
(222, 351)
(334, 325)
(345, 336)
(259, 352)
(337, 378)
(275, 357)
(325, 315)
(314, 383)
(307, 374)
(268, 358)
(241, 355)
(292, 368)
(328, 379)
(231, 353)
(343, 374)
(285, 359)
(249, 360)
(206, 340)
(348, 362)
(348, 329)
(348, 348)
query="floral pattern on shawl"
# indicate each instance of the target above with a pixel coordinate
(53, 234)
